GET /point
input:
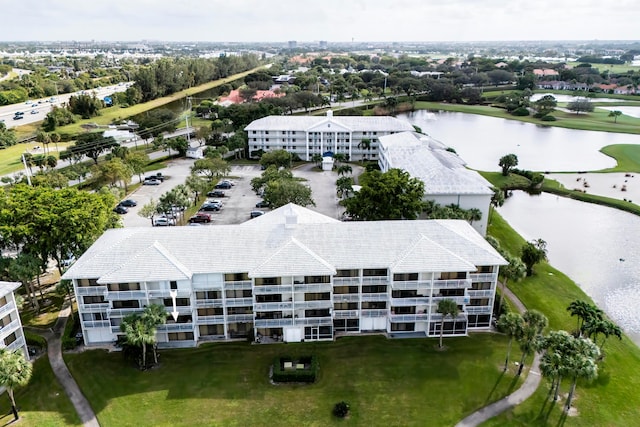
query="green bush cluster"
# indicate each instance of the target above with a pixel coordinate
(548, 118)
(520, 111)
(68, 339)
(35, 340)
(535, 177)
(294, 375)
(341, 409)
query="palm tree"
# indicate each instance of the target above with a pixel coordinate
(512, 325)
(615, 115)
(15, 371)
(446, 307)
(585, 312)
(339, 158)
(556, 348)
(137, 333)
(344, 186)
(515, 271)
(344, 169)
(473, 214)
(534, 324)
(317, 159)
(581, 364)
(154, 315)
(602, 326)
(497, 200)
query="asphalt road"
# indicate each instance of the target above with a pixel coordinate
(43, 106)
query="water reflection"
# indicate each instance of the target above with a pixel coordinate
(482, 140)
(596, 246)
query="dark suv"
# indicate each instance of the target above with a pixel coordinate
(223, 186)
(200, 217)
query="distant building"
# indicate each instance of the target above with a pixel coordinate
(322, 44)
(11, 333)
(446, 179)
(292, 44)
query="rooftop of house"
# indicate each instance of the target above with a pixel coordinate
(7, 287)
(341, 123)
(442, 171)
(290, 240)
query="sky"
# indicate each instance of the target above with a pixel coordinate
(313, 20)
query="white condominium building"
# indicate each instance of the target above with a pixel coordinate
(290, 275)
(11, 333)
(355, 136)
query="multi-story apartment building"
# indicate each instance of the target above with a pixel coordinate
(290, 275)
(11, 333)
(446, 179)
(356, 136)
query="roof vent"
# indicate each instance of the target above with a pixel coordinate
(290, 218)
(329, 113)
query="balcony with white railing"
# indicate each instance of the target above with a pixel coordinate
(375, 280)
(346, 314)
(124, 295)
(240, 318)
(410, 284)
(346, 297)
(313, 287)
(346, 281)
(417, 317)
(177, 344)
(176, 327)
(437, 317)
(181, 309)
(8, 307)
(374, 312)
(121, 312)
(477, 309)
(238, 284)
(452, 284)
(411, 301)
(210, 320)
(19, 343)
(209, 302)
(94, 308)
(313, 304)
(97, 324)
(273, 323)
(375, 297)
(239, 302)
(9, 328)
(477, 293)
(166, 293)
(460, 300)
(311, 321)
(271, 289)
(272, 306)
(483, 277)
(90, 290)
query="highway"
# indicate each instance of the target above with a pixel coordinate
(43, 106)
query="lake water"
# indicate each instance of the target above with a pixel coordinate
(627, 111)
(596, 246)
(482, 140)
(571, 98)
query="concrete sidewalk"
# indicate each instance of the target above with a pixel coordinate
(517, 397)
(83, 408)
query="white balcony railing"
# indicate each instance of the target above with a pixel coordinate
(410, 284)
(314, 304)
(479, 309)
(121, 312)
(238, 284)
(239, 302)
(16, 344)
(209, 302)
(271, 289)
(375, 297)
(452, 284)
(272, 306)
(374, 312)
(345, 314)
(483, 277)
(480, 293)
(9, 327)
(314, 321)
(210, 320)
(94, 308)
(313, 287)
(346, 297)
(176, 327)
(346, 281)
(272, 323)
(124, 295)
(407, 302)
(97, 324)
(90, 290)
(409, 317)
(8, 307)
(166, 293)
(375, 280)
(239, 318)
(460, 300)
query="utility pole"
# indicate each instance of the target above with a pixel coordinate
(26, 170)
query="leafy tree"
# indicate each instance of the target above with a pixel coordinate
(507, 163)
(317, 159)
(615, 114)
(586, 314)
(157, 121)
(344, 186)
(7, 136)
(154, 315)
(556, 349)
(279, 192)
(390, 195)
(24, 268)
(15, 371)
(581, 105)
(446, 307)
(148, 210)
(58, 116)
(138, 333)
(211, 168)
(512, 325)
(513, 271)
(92, 145)
(271, 173)
(179, 144)
(177, 196)
(112, 172)
(605, 327)
(545, 105)
(473, 214)
(278, 158)
(344, 169)
(86, 106)
(137, 161)
(198, 185)
(532, 253)
(534, 323)
(497, 200)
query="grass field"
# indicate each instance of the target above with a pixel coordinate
(404, 382)
(612, 68)
(10, 157)
(42, 403)
(611, 400)
(627, 156)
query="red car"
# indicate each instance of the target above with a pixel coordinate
(200, 217)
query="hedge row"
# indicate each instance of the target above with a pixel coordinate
(295, 375)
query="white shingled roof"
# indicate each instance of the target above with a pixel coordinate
(267, 245)
(7, 287)
(441, 171)
(354, 123)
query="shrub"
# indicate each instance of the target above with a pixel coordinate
(520, 111)
(35, 340)
(548, 118)
(68, 339)
(341, 409)
(282, 375)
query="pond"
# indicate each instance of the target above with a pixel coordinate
(594, 245)
(482, 140)
(571, 98)
(627, 111)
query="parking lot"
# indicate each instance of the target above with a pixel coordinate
(240, 200)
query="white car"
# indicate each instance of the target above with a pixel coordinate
(163, 221)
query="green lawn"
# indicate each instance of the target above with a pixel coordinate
(47, 316)
(611, 400)
(42, 403)
(11, 160)
(387, 382)
(627, 156)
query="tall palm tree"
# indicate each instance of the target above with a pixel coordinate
(317, 159)
(586, 313)
(497, 200)
(557, 348)
(515, 271)
(137, 333)
(512, 325)
(15, 371)
(154, 315)
(446, 307)
(534, 324)
(344, 169)
(582, 364)
(473, 214)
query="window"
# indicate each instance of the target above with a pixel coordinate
(337, 290)
(317, 279)
(239, 293)
(317, 313)
(374, 272)
(269, 281)
(210, 311)
(346, 325)
(211, 330)
(3, 301)
(348, 273)
(485, 269)
(453, 275)
(323, 296)
(402, 277)
(375, 289)
(173, 285)
(127, 304)
(180, 302)
(404, 294)
(479, 301)
(10, 339)
(269, 298)
(403, 310)
(97, 299)
(481, 286)
(374, 305)
(403, 327)
(208, 295)
(345, 306)
(181, 336)
(5, 321)
(239, 310)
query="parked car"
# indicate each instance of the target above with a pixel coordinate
(255, 214)
(150, 182)
(262, 204)
(163, 221)
(223, 186)
(200, 217)
(210, 207)
(216, 193)
(70, 259)
(120, 209)
(128, 203)
(156, 177)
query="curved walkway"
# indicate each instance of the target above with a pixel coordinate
(54, 351)
(517, 397)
